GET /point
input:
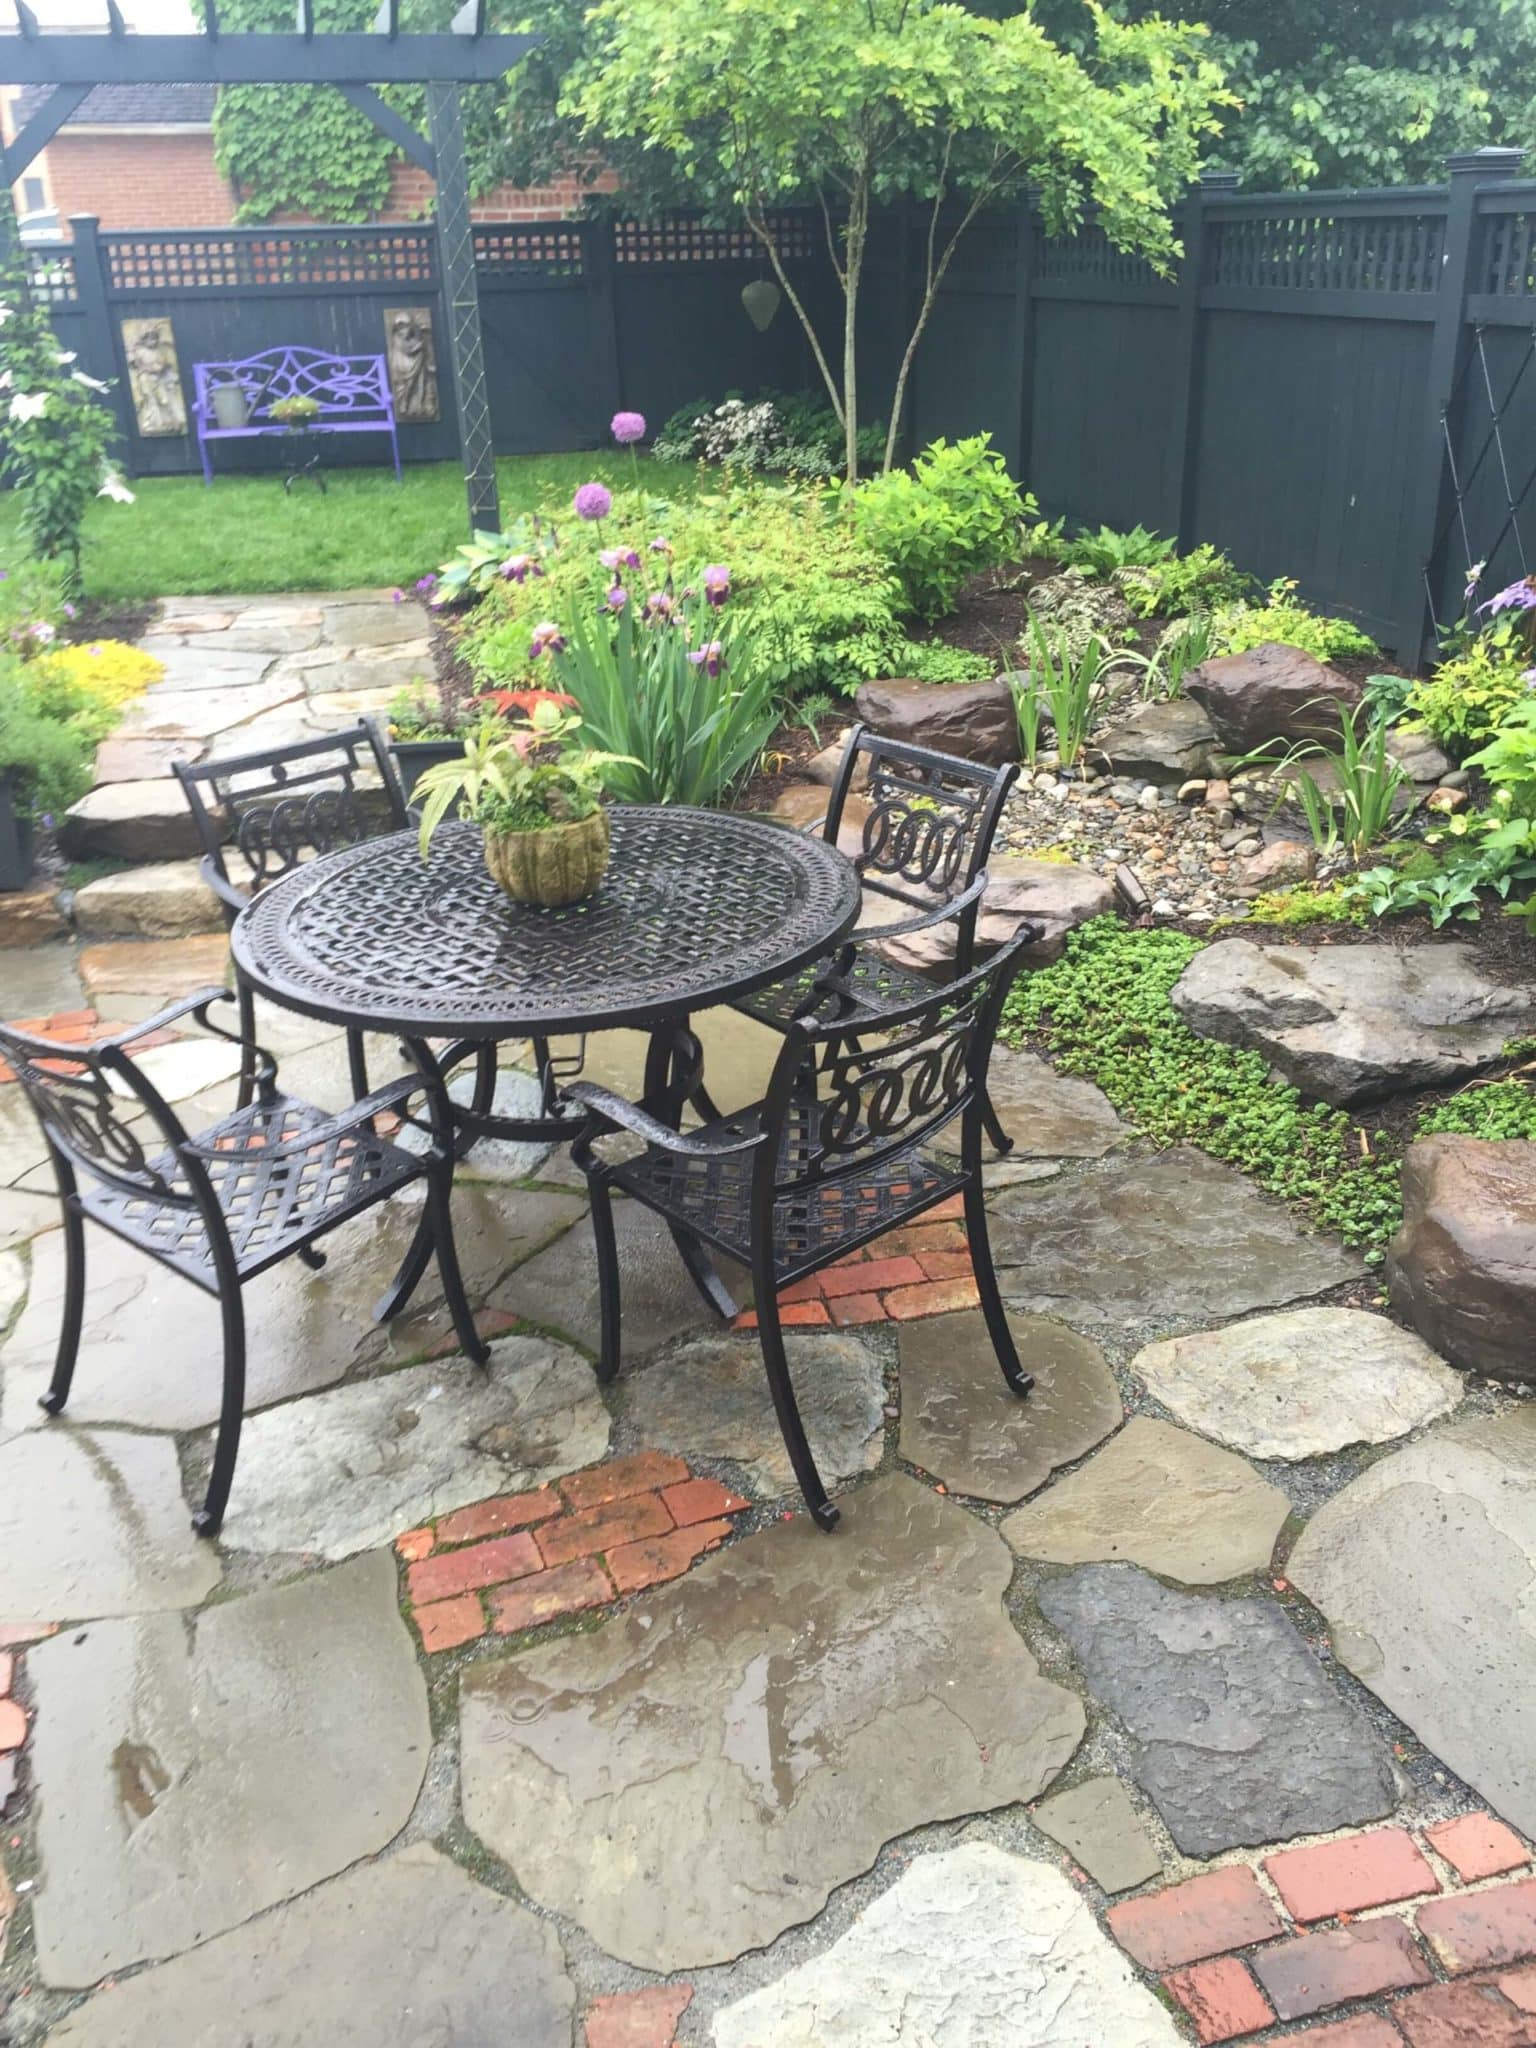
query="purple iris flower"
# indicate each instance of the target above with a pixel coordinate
(592, 501)
(717, 583)
(710, 657)
(659, 608)
(547, 639)
(518, 568)
(661, 546)
(619, 558)
(627, 427)
(616, 598)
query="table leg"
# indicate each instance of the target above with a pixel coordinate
(439, 1111)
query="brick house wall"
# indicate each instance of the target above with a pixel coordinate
(130, 179)
(411, 194)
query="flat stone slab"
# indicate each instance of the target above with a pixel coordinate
(744, 1741)
(350, 1469)
(407, 1953)
(1238, 1737)
(160, 967)
(1301, 1384)
(166, 900)
(134, 821)
(970, 1948)
(1353, 1023)
(1179, 1235)
(1047, 1115)
(164, 714)
(94, 1523)
(204, 662)
(22, 1216)
(1099, 1828)
(960, 1421)
(1425, 1567)
(193, 1770)
(709, 1399)
(151, 1343)
(1157, 1497)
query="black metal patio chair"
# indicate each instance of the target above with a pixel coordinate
(836, 1154)
(280, 806)
(929, 829)
(221, 1207)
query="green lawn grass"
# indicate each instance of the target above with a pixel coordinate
(181, 538)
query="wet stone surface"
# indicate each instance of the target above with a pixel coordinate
(746, 1740)
(1425, 1567)
(961, 1422)
(1238, 1736)
(971, 1948)
(1176, 1235)
(1160, 1498)
(1050, 1115)
(406, 1953)
(710, 1399)
(191, 1772)
(1097, 1825)
(353, 1467)
(1302, 1384)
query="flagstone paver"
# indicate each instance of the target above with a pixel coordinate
(1160, 1498)
(93, 1522)
(961, 1422)
(1179, 1235)
(405, 1953)
(709, 1399)
(193, 1770)
(349, 1469)
(745, 1740)
(1049, 1115)
(1098, 1826)
(1238, 1736)
(22, 1217)
(1301, 1384)
(970, 1948)
(1425, 1567)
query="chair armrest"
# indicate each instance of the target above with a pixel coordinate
(197, 1004)
(604, 1105)
(232, 898)
(337, 1126)
(876, 934)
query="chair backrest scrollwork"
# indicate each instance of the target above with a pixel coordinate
(86, 1119)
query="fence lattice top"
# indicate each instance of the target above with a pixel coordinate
(1306, 251)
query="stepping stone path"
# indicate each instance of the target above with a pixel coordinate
(751, 1736)
(961, 1422)
(1157, 1497)
(1178, 1235)
(1425, 1567)
(274, 1742)
(1353, 1023)
(971, 1948)
(1046, 1114)
(376, 1959)
(1237, 1735)
(1302, 1384)
(1097, 1825)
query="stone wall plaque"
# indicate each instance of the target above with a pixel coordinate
(410, 353)
(154, 377)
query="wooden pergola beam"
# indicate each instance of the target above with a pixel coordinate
(281, 58)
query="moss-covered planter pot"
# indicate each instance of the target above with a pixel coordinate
(555, 865)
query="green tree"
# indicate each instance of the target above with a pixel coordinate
(850, 102)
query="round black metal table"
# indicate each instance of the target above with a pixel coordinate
(697, 908)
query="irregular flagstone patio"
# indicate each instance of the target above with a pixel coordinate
(504, 1679)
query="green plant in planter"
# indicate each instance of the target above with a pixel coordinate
(296, 410)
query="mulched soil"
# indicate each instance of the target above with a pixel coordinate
(106, 619)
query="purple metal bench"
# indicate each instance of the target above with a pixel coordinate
(352, 392)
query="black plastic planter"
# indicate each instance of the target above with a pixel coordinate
(15, 836)
(412, 758)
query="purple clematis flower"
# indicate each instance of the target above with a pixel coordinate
(1517, 597)
(627, 427)
(592, 501)
(717, 583)
(710, 657)
(547, 639)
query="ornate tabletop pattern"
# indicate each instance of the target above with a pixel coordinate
(697, 907)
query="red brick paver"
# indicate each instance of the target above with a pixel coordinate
(621, 1477)
(656, 1559)
(1316, 1971)
(445, 1573)
(1477, 1846)
(1463, 2016)
(498, 1517)
(594, 1530)
(851, 1309)
(1219, 1910)
(933, 1298)
(700, 1500)
(1369, 2030)
(638, 2019)
(1221, 1998)
(1482, 1930)
(445, 1624)
(568, 1589)
(1346, 1876)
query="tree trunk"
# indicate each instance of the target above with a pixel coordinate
(759, 228)
(858, 229)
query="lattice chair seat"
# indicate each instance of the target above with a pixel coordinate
(280, 1171)
(876, 984)
(709, 1191)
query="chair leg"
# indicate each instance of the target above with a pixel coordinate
(74, 1312)
(439, 1207)
(1002, 1144)
(209, 1518)
(610, 1304)
(780, 1385)
(247, 1023)
(986, 1287)
(312, 1257)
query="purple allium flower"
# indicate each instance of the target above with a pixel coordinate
(616, 598)
(547, 639)
(518, 568)
(592, 501)
(397, 596)
(717, 583)
(425, 585)
(1518, 597)
(627, 427)
(709, 657)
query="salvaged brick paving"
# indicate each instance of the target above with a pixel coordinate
(922, 1269)
(78, 1027)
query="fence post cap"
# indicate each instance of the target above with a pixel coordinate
(1487, 162)
(1214, 180)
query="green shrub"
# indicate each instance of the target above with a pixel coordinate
(1469, 696)
(49, 758)
(1241, 626)
(1101, 554)
(930, 661)
(784, 433)
(1196, 582)
(955, 512)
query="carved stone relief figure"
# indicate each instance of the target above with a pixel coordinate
(154, 377)
(411, 358)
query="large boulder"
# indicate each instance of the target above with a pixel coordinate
(1352, 1023)
(1463, 1266)
(974, 720)
(1053, 894)
(1272, 692)
(1165, 742)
